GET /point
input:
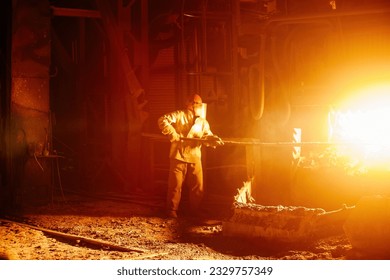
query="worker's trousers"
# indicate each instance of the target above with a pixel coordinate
(192, 174)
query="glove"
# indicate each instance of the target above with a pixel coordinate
(174, 137)
(213, 141)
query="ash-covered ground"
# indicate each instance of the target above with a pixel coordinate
(82, 228)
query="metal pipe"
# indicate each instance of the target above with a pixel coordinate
(68, 12)
(322, 16)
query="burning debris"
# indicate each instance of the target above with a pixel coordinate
(245, 194)
(280, 223)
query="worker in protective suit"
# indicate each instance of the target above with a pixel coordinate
(187, 131)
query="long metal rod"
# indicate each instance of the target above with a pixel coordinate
(235, 141)
(78, 238)
(253, 141)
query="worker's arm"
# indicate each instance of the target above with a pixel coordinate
(212, 141)
(209, 139)
(165, 124)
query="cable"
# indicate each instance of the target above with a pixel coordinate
(39, 164)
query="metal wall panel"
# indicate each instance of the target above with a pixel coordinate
(162, 87)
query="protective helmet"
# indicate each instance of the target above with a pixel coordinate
(194, 99)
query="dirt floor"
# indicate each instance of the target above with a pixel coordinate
(82, 228)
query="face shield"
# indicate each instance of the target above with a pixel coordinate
(200, 109)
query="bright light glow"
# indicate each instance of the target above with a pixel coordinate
(196, 128)
(363, 124)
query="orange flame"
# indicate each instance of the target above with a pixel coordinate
(363, 125)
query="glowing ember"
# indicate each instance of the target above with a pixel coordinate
(363, 125)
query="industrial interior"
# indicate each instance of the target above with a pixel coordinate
(298, 90)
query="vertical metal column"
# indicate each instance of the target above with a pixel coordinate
(30, 102)
(145, 43)
(235, 27)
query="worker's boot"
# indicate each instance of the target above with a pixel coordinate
(172, 214)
